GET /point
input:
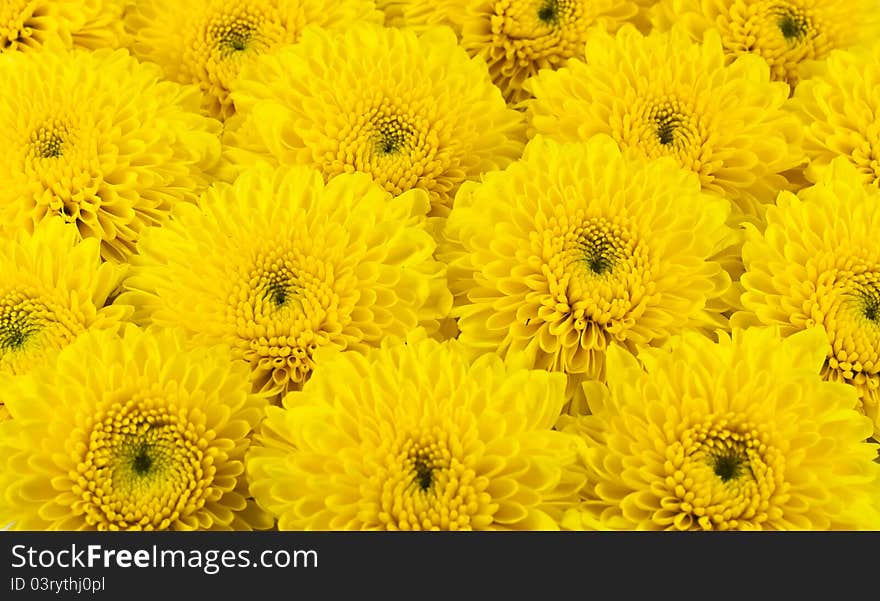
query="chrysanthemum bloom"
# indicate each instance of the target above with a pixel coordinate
(52, 288)
(415, 437)
(96, 138)
(516, 38)
(206, 42)
(818, 263)
(414, 112)
(278, 265)
(839, 105)
(31, 24)
(130, 432)
(663, 95)
(783, 32)
(576, 248)
(730, 435)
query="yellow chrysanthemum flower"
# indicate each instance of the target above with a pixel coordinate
(278, 265)
(663, 95)
(576, 248)
(414, 112)
(516, 38)
(414, 437)
(206, 42)
(32, 24)
(838, 103)
(96, 138)
(735, 435)
(785, 33)
(52, 288)
(130, 432)
(818, 263)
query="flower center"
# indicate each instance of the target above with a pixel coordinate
(667, 122)
(283, 309)
(870, 299)
(601, 246)
(851, 316)
(783, 33)
(871, 310)
(532, 20)
(30, 329)
(721, 474)
(224, 35)
(424, 486)
(15, 327)
(142, 461)
(668, 130)
(392, 135)
(792, 25)
(601, 251)
(549, 12)
(598, 265)
(279, 286)
(727, 466)
(234, 37)
(49, 146)
(47, 142)
(143, 468)
(598, 285)
(517, 38)
(393, 141)
(423, 469)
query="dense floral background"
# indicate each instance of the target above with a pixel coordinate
(453, 264)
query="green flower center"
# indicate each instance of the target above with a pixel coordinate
(871, 310)
(146, 454)
(279, 287)
(47, 142)
(423, 463)
(142, 461)
(792, 26)
(424, 474)
(392, 135)
(234, 33)
(276, 292)
(549, 12)
(144, 465)
(237, 38)
(667, 126)
(599, 259)
(52, 147)
(601, 246)
(728, 467)
(667, 123)
(867, 298)
(15, 328)
(871, 304)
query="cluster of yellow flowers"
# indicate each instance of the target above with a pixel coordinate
(440, 264)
